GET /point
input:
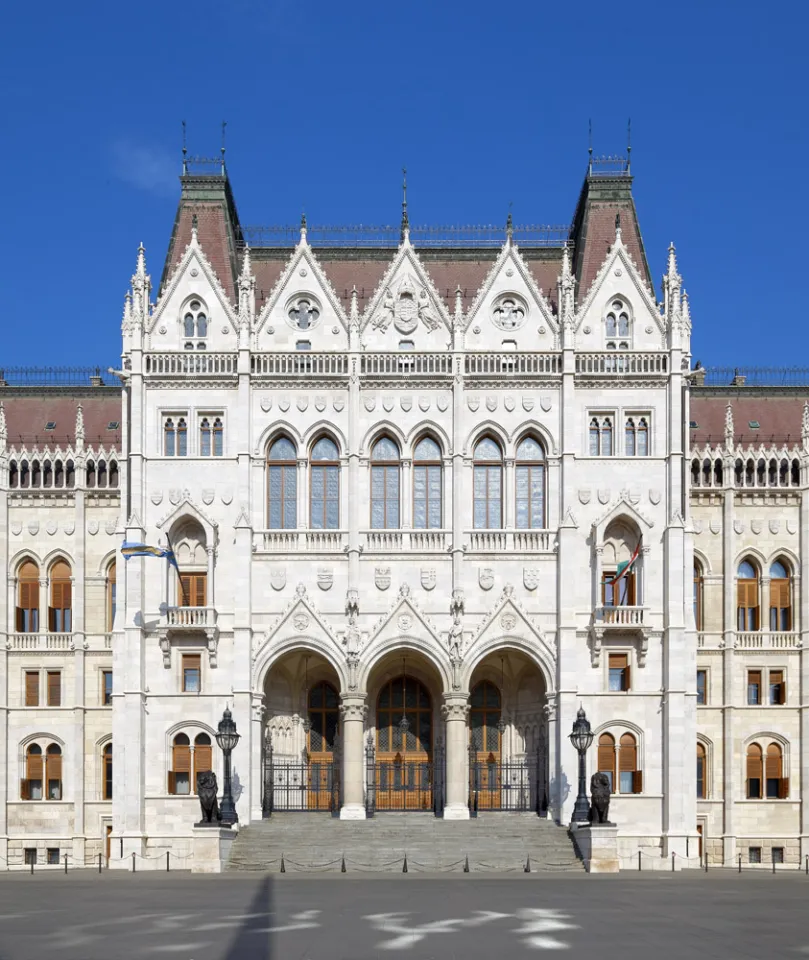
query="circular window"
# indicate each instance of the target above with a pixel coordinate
(303, 312)
(509, 311)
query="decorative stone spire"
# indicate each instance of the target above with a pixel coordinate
(126, 320)
(566, 287)
(3, 430)
(672, 282)
(141, 287)
(354, 310)
(458, 307)
(79, 427)
(247, 293)
(303, 228)
(729, 430)
(405, 218)
(685, 311)
(804, 425)
(509, 229)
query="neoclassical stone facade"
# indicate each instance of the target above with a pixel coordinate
(426, 500)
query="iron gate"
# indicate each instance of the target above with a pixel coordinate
(401, 784)
(512, 785)
(311, 785)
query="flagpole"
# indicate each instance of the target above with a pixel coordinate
(177, 568)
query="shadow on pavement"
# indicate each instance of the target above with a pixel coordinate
(253, 941)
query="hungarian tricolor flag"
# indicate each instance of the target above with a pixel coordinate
(624, 569)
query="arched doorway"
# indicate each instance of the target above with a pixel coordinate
(301, 745)
(508, 742)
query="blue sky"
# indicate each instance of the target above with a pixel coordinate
(485, 103)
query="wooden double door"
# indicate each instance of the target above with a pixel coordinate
(322, 763)
(485, 775)
(403, 773)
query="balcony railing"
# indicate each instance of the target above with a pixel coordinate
(190, 618)
(41, 641)
(383, 541)
(405, 363)
(519, 364)
(768, 641)
(299, 541)
(619, 616)
(394, 541)
(190, 364)
(299, 364)
(521, 541)
(620, 362)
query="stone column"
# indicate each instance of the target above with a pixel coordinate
(508, 494)
(303, 495)
(353, 711)
(406, 495)
(455, 713)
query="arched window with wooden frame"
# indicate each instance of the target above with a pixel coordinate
(324, 718)
(699, 589)
(630, 779)
(203, 757)
(427, 485)
(60, 612)
(53, 772)
(28, 597)
(404, 697)
(324, 485)
(111, 596)
(702, 772)
(106, 783)
(488, 485)
(776, 785)
(31, 784)
(282, 487)
(780, 597)
(385, 484)
(180, 773)
(754, 772)
(485, 714)
(747, 593)
(606, 758)
(530, 479)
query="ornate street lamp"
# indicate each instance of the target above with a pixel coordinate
(227, 738)
(581, 738)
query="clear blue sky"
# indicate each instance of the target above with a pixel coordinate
(485, 103)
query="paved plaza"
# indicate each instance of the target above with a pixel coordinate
(654, 915)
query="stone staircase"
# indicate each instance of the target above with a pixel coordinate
(492, 842)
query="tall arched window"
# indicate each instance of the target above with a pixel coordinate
(488, 485)
(601, 437)
(324, 490)
(180, 773)
(60, 618)
(630, 779)
(699, 586)
(530, 494)
(404, 696)
(111, 596)
(283, 485)
(53, 771)
(702, 772)
(606, 757)
(28, 597)
(385, 485)
(755, 771)
(106, 793)
(43, 774)
(427, 485)
(195, 325)
(747, 610)
(776, 786)
(484, 719)
(203, 757)
(780, 598)
(324, 716)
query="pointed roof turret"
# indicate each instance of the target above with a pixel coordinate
(247, 291)
(805, 425)
(3, 430)
(672, 281)
(566, 285)
(141, 287)
(126, 320)
(685, 310)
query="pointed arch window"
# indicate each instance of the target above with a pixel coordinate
(60, 609)
(601, 436)
(195, 325)
(111, 596)
(747, 592)
(28, 597)
(385, 467)
(699, 588)
(427, 484)
(780, 597)
(488, 485)
(606, 758)
(530, 478)
(324, 490)
(283, 485)
(106, 793)
(702, 772)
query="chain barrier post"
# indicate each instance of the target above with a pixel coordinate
(672, 863)
(65, 863)
(32, 868)
(99, 863)
(167, 861)
(740, 863)
(773, 865)
(639, 855)
(133, 861)
(807, 865)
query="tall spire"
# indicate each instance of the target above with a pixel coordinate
(729, 431)
(805, 425)
(566, 285)
(3, 430)
(126, 320)
(405, 219)
(672, 281)
(458, 307)
(247, 293)
(141, 287)
(685, 310)
(79, 427)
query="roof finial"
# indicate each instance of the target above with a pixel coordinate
(405, 220)
(729, 431)
(590, 146)
(140, 268)
(224, 124)
(628, 144)
(303, 224)
(3, 433)
(79, 425)
(185, 151)
(618, 226)
(685, 309)
(509, 224)
(672, 261)
(194, 225)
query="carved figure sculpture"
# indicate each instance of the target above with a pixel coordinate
(599, 798)
(206, 791)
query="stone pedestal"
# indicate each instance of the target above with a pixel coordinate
(211, 847)
(598, 846)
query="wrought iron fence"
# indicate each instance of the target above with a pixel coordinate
(756, 376)
(404, 785)
(519, 786)
(311, 785)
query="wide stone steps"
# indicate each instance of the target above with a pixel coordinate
(493, 842)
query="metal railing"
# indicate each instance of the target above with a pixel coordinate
(390, 235)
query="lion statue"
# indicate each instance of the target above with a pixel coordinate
(599, 798)
(206, 791)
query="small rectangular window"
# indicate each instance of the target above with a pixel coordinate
(777, 854)
(303, 344)
(702, 687)
(753, 688)
(53, 856)
(50, 425)
(619, 672)
(754, 854)
(113, 424)
(777, 691)
(54, 688)
(191, 672)
(32, 688)
(754, 424)
(694, 425)
(106, 687)
(30, 856)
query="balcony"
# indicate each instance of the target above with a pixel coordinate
(516, 541)
(414, 541)
(299, 541)
(785, 640)
(625, 621)
(613, 363)
(190, 618)
(41, 641)
(619, 617)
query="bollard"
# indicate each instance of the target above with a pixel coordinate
(773, 866)
(167, 862)
(639, 866)
(133, 861)
(283, 865)
(343, 864)
(466, 864)
(65, 863)
(404, 866)
(807, 866)
(32, 868)
(706, 861)
(672, 863)
(527, 867)
(99, 863)
(740, 863)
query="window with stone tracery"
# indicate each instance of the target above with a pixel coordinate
(427, 483)
(303, 312)
(601, 436)
(385, 484)
(324, 485)
(509, 312)
(283, 485)
(617, 326)
(530, 478)
(487, 511)
(195, 325)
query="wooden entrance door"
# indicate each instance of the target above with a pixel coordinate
(403, 774)
(107, 841)
(700, 835)
(485, 739)
(324, 716)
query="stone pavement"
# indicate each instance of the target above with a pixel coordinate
(247, 917)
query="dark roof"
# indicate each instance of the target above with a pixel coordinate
(779, 412)
(28, 409)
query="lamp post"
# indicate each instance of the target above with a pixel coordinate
(227, 738)
(581, 737)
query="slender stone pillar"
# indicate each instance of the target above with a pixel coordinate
(353, 712)
(455, 712)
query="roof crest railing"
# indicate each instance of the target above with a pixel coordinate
(754, 377)
(52, 376)
(368, 235)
